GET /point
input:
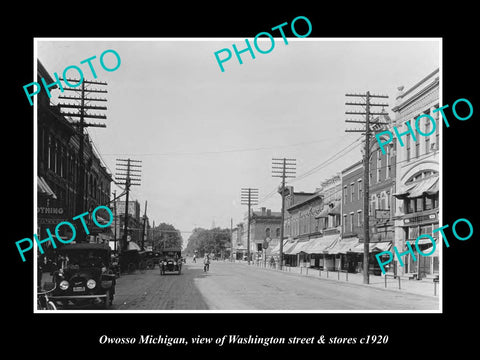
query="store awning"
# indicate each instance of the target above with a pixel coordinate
(433, 189)
(276, 248)
(427, 186)
(43, 188)
(424, 186)
(133, 246)
(321, 244)
(288, 248)
(300, 247)
(343, 246)
(373, 247)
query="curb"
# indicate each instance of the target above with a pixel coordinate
(345, 282)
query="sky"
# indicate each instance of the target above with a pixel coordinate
(203, 134)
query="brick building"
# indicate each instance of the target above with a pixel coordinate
(58, 147)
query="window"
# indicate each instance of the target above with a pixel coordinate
(277, 232)
(360, 189)
(359, 218)
(409, 206)
(373, 204)
(344, 225)
(383, 201)
(389, 197)
(419, 204)
(267, 232)
(351, 221)
(352, 191)
(345, 194)
(428, 203)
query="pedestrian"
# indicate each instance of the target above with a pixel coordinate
(194, 258)
(206, 263)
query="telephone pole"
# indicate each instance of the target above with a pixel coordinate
(283, 168)
(249, 197)
(365, 104)
(81, 104)
(130, 174)
(144, 227)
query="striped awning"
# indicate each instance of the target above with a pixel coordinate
(43, 188)
(321, 245)
(373, 247)
(343, 246)
(428, 186)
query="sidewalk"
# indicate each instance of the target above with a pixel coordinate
(420, 287)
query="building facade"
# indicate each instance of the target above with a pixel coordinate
(264, 232)
(58, 144)
(382, 186)
(417, 175)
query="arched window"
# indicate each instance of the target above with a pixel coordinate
(277, 232)
(383, 200)
(267, 232)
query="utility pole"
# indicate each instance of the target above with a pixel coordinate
(115, 218)
(366, 104)
(144, 227)
(283, 168)
(131, 173)
(249, 197)
(81, 104)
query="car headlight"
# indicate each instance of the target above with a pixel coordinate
(91, 284)
(174, 263)
(64, 285)
(164, 263)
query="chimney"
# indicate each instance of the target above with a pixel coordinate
(263, 211)
(269, 212)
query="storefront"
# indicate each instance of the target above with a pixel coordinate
(373, 249)
(318, 251)
(420, 216)
(344, 259)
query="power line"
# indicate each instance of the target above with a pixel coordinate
(317, 168)
(219, 151)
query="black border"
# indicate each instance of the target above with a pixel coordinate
(422, 333)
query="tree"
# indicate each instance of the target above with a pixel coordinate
(208, 241)
(166, 236)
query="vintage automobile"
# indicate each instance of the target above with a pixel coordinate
(151, 258)
(171, 261)
(84, 277)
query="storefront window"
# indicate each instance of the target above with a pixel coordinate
(419, 204)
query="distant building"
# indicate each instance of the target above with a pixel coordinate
(264, 229)
(135, 222)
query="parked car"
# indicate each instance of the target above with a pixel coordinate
(152, 258)
(171, 261)
(84, 276)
